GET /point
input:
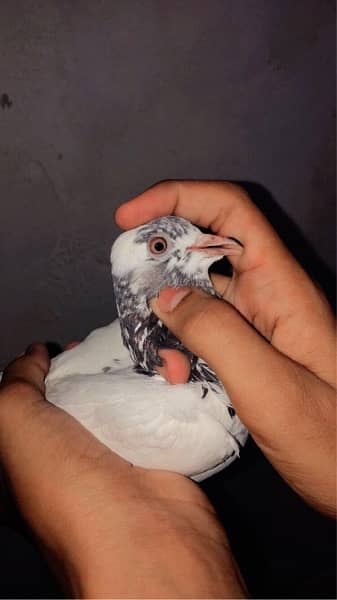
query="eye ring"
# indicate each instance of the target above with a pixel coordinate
(158, 245)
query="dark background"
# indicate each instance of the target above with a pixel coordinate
(100, 99)
(109, 97)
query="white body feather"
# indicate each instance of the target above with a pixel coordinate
(144, 419)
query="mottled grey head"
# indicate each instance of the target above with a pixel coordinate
(167, 252)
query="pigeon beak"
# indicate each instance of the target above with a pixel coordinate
(214, 245)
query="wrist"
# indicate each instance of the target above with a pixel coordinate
(152, 549)
(177, 564)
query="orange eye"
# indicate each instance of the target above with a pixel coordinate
(158, 245)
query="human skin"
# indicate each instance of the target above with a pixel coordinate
(108, 529)
(272, 341)
(114, 530)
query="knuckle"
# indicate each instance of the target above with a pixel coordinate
(237, 192)
(169, 184)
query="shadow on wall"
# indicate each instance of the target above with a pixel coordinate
(292, 237)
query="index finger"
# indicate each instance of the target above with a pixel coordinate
(220, 206)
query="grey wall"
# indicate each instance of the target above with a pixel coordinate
(109, 97)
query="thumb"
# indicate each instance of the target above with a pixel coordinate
(288, 410)
(22, 397)
(261, 382)
(30, 368)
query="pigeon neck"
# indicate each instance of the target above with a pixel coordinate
(133, 296)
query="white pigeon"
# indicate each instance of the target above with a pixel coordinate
(109, 382)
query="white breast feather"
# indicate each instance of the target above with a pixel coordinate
(144, 419)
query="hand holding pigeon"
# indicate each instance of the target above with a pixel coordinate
(272, 343)
(109, 530)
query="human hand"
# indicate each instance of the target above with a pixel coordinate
(110, 529)
(272, 342)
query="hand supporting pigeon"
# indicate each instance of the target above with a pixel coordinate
(108, 529)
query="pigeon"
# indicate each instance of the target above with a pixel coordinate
(110, 382)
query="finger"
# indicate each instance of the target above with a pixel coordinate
(262, 383)
(229, 213)
(289, 411)
(31, 368)
(215, 332)
(176, 366)
(269, 287)
(172, 296)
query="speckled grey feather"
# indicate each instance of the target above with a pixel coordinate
(142, 332)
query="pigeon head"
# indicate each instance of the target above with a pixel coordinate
(166, 252)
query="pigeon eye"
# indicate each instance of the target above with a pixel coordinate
(158, 245)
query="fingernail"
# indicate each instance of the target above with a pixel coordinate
(177, 298)
(169, 299)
